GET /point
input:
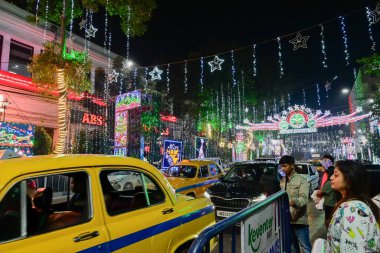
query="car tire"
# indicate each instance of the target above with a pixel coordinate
(128, 186)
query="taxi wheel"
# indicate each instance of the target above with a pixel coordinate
(128, 186)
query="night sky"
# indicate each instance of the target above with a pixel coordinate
(189, 29)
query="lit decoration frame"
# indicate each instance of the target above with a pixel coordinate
(200, 147)
(300, 119)
(18, 137)
(128, 101)
(172, 153)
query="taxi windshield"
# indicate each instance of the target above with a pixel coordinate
(184, 171)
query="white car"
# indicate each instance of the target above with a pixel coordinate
(310, 173)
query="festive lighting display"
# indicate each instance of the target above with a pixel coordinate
(304, 97)
(233, 70)
(128, 30)
(373, 46)
(299, 41)
(201, 79)
(375, 14)
(168, 79)
(216, 64)
(254, 60)
(91, 31)
(46, 19)
(318, 96)
(343, 27)
(61, 112)
(323, 47)
(112, 77)
(155, 74)
(280, 58)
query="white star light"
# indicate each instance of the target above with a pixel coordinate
(375, 14)
(215, 64)
(91, 31)
(112, 77)
(284, 112)
(327, 113)
(299, 41)
(155, 74)
(82, 24)
(318, 112)
(359, 109)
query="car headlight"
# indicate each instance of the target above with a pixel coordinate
(258, 199)
(207, 195)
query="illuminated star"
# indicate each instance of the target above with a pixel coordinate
(112, 77)
(375, 14)
(82, 24)
(299, 41)
(215, 64)
(155, 74)
(359, 109)
(328, 86)
(327, 113)
(91, 31)
(318, 112)
(284, 112)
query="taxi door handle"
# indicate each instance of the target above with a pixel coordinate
(86, 236)
(167, 210)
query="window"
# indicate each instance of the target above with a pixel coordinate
(20, 56)
(204, 171)
(311, 171)
(302, 169)
(44, 204)
(214, 170)
(128, 190)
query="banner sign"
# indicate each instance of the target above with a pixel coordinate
(81, 117)
(172, 153)
(18, 137)
(200, 147)
(121, 129)
(259, 232)
(128, 101)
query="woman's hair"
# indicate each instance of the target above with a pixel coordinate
(269, 183)
(356, 179)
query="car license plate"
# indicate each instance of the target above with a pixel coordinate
(224, 213)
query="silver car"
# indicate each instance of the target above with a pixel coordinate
(309, 172)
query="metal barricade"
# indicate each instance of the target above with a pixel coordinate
(264, 227)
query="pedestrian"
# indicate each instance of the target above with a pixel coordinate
(297, 189)
(269, 183)
(327, 161)
(329, 195)
(354, 226)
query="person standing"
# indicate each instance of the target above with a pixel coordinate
(329, 195)
(327, 161)
(297, 189)
(354, 226)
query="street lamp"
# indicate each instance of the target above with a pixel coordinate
(345, 90)
(3, 105)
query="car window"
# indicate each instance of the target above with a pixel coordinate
(184, 171)
(302, 169)
(214, 170)
(311, 171)
(142, 193)
(46, 203)
(203, 172)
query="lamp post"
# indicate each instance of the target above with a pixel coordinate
(3, 105)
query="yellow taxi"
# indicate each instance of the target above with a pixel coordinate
(69, 203)
(193, 177)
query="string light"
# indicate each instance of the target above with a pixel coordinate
(201, 80)
(135, 77)
(355, 73)
(146, 79)
(343, 26)
(288, 99)
(239, 102)
(323, 47)
(59, 149)
(254, 60)
(185, 77)
(46, 18)
(280, 58)
(304, 97)
(373, 47)
(168, 79)
(265, 110)
(37, 7)
(274, 105)
(318, 96)
(233, 68)
(105, 29)
(128, 30)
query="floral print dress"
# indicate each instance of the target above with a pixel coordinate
(353, 228)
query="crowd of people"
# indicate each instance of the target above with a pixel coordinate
(351, 206)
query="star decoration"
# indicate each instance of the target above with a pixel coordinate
(245, 121)
(215, 64)
(327, 113)
(82, 24)
(290, 108)
(359, 109)
(328, 86)
(112, 77)
(308, 110)
(299, 41)
(302, 107)
(276, 116)
(270, 118)
(318, 112)
(155, 74)
(284, 112)
(91, 31)
(296, 107)
(375, 14)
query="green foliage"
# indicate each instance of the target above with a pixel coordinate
(43, 143)
(44, 67)
(141, 11)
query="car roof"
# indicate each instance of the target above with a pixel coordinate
(11, 168)
(194, 162)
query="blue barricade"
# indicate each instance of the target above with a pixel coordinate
(264, 227)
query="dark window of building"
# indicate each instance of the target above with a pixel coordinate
(20, 56)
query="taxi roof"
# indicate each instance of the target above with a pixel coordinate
(11, 168)
(195, 162)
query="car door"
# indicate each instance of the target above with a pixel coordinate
(204, 176)
(138, 220)
(50, 225)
